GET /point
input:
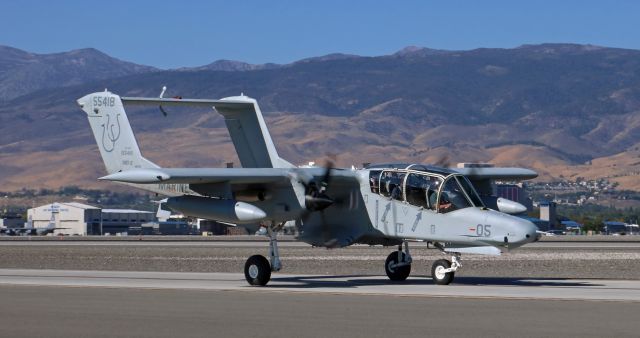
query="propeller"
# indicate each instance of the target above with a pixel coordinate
(317, 200)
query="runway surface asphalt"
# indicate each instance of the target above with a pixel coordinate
(62, 303)
(194, 289)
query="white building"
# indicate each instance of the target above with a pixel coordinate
(76, 218)
(82, 219)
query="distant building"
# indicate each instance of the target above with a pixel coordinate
(75, 218)
(11, 221)
(174, 227)
(116, 221)
(615, 228)
(82, 219)
(572, 226)
(548, 213)
(515, 192)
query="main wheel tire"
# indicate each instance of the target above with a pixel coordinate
(398, 273)
(257, 270)
(440, 277)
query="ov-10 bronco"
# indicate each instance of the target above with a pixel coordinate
(390, 204)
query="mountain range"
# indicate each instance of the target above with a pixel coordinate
(565, 110)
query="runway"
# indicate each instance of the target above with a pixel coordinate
(66, 303)
(469, 287)
(146, 288)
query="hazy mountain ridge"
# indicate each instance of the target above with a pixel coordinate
(22, 73)
(545, 106)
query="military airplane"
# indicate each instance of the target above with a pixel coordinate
(30, 230)
(389, 204)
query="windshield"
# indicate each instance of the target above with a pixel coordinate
(452, 197)
(471, 192)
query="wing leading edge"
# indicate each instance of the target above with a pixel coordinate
(218, 175)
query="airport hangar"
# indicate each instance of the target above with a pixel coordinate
(82, 219)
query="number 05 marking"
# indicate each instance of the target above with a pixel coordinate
(483, 230)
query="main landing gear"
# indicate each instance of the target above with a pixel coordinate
(398, 264)
(257, 269)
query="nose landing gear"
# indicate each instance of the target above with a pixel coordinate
(443, 271)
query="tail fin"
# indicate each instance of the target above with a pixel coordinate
(113, 132)
(249, 133)
(162, 215)
(52, 221)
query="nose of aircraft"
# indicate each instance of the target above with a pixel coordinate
(525, 231)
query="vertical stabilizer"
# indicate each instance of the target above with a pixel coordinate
(249, 133)
(113, 132)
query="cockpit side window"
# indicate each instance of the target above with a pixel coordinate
(416, 190)
(385, 181)
(421, 190)
(391, 184)
(452, 197)
(374, 181)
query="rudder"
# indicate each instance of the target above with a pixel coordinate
(112, 131)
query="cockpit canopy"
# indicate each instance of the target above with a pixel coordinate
(437, 189)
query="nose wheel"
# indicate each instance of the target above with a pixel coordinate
(443, 271)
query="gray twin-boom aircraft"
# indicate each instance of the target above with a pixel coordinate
(390, 204)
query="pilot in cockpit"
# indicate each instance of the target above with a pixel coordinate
(432, 192)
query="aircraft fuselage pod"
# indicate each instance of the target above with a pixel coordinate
(396, 203)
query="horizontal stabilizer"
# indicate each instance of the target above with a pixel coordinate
(218, 104)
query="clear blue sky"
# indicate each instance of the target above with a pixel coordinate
(192, 33)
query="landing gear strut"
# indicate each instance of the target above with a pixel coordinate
(398, 264)
(257, 269)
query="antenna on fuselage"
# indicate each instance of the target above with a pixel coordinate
(164, 112)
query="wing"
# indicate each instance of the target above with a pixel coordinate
(219, 175)
(238, 182)
(482, 177)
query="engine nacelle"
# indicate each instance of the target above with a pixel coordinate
(224, 210)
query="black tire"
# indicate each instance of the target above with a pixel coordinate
(438, 277)
(257, 270)
(396, 274)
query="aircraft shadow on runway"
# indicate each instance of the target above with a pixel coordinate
(353, 281)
